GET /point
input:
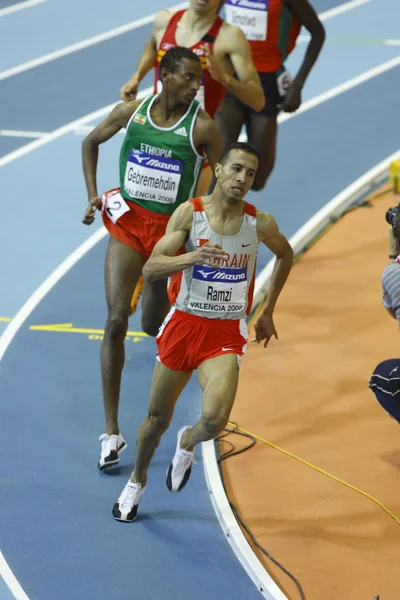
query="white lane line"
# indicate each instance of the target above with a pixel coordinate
(6, 339)
(32, 302)
(336, 91)
(350, 40)
(342, 8)
(18, 133)
(10, 580)
(85, 129)
(84, 44)
(54, 135)
(344, 87)
(49, 137)
(134, 25)
(340, 89)
(20, 6)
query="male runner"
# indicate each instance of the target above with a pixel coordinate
(206, 328)
(272, 27)
(223, 49)
(167, 138)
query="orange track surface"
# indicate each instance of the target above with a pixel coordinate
(308, 393)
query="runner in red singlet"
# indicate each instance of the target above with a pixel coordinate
(223, 49)
(272, 27)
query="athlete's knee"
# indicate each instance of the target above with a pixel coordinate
(158, 423)
(117, 325)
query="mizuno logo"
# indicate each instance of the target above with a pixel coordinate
(206, 273)
(181, 131)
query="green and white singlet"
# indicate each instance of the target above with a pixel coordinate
(159, 167)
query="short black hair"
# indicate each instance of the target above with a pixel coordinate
(172, 59)
(244, 146)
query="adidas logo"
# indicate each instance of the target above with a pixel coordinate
(181, 131)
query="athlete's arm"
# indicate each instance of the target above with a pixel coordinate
(307, 16)
(163, 263)
(269, 234)
(247, 86)
(206, 136)
(129, 90)
(116, 120)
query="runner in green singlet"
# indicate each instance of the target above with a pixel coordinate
(167, 139)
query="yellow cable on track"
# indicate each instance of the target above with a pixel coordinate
(304, 462)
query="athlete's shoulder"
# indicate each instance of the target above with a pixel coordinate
(123, 111)
(230, 36)
(162, 19)
(203, 116)
(182, 217)
(266, 223)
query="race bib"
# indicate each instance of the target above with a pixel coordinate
(200, 96)
(284, 81)
(220, 289)
(153, 178)
(114, 205)
(250, 15)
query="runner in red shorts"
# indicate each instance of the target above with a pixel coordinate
(206, 328)
(167, 139)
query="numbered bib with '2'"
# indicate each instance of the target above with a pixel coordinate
(218, 289)
(153, 178)
(114, 205)
(250, 15)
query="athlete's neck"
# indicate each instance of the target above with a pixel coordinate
(193, 21)
(166, 109)
(223, 206)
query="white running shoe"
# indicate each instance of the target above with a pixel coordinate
(125, 508)
(181, 466)
(111, 447)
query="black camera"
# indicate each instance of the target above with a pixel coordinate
(392, 215)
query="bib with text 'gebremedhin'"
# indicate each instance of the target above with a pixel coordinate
(159, 167)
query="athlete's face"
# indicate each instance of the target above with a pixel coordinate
(236, 175)
(184, 83)
(205, 7)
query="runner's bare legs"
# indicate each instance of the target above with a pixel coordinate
(123, 266)
(166, 387)
(218, 377)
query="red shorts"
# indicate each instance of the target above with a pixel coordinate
(132, 224)
(185, 341)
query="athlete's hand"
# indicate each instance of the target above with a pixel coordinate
(207, 254)
(265, 329)
(129, 90)
(214, 66)
(94, 204)
(292, 100)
